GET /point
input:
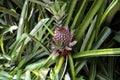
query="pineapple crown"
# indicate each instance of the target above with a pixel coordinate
(58, 12)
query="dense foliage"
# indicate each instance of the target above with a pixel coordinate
(26, 39)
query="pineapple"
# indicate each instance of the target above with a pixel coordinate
(62, 37)
(63, 40)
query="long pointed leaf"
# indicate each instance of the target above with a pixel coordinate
(88, 18)
(97, 53)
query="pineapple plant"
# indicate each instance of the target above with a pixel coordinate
(62, 36)
(25, 53)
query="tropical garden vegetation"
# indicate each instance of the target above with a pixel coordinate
(59, 39)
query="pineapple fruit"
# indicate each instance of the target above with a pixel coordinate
(62, 37)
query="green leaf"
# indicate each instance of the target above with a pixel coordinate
(40, 3)
(50, 60)
(71, 63)
(58, 66)
(50, 31)
(52, 74)
(7, 57)
(63, 69)
(79, 14)
(35, 65)
(18, 3)
(88, 18)
(37, 41)
(19, 73)
(56, 6)
(88, 36)
(109, 8)
(102, 77)
(117, 37)
(98, 53)
(101, 38)
(22, 20)
(36, 28)
(10, 12)
(43, 73)
(15, 51)
(111, 66)
(5, 74)
(6, 30)
(28, 76)
(80, 78)
(59, 63)
(92, 73)
(2, 44)
(79, 66)
(71, 10)
(67, 76)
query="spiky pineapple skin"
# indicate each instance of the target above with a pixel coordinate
(62, 36)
